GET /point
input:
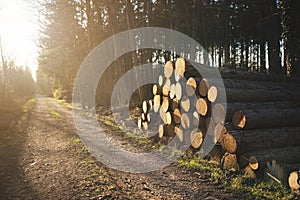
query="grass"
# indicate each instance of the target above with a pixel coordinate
(64, 103)
(29, 105)
(258, 188)
(74, 140)
(54, 114)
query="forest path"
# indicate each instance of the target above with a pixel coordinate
(48, 161)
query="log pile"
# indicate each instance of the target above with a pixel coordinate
(257, 128)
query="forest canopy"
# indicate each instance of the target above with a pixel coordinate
(251, 35)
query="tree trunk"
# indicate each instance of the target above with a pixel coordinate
(273, 44)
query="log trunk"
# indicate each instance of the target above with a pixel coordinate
(247, 95)
(251, 84)
(289, 155)
(218, 109)
(246, 160)
(266, 118)
(260, 139)
(250, 172)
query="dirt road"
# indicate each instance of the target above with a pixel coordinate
(44, 159)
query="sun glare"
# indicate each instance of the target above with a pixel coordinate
(19, 29)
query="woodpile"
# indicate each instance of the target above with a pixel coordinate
(257, 130)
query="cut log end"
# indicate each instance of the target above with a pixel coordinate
(168, 69)
(156, 90)
(139, 123)
(179, 133)
(212, 94)
(146, 106)
(168, 118)
(218, 113)
(201, 106)
(229, 143)
(145, 125)
(185, 121)
(253, 163)
(185, 103)
(172, 93)
(229, 161)
(160, 80)
(156, 103)
(180, 67)
(196, 138)
(239, 120)
(166, 104)
(294, 180)
(177, 116)
(174, 104)
(178, 91)
(161, 130)
(219, 132)
(191, 86)
(170, 130)
(203, 87)
(195, 119)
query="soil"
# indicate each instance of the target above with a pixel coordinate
(41, 157)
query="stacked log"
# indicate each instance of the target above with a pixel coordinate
(256, 125)
(183, 105)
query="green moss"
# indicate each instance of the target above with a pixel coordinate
(258, 188)
(74, 140)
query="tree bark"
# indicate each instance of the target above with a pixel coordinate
(261, 139)
(266, 118)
